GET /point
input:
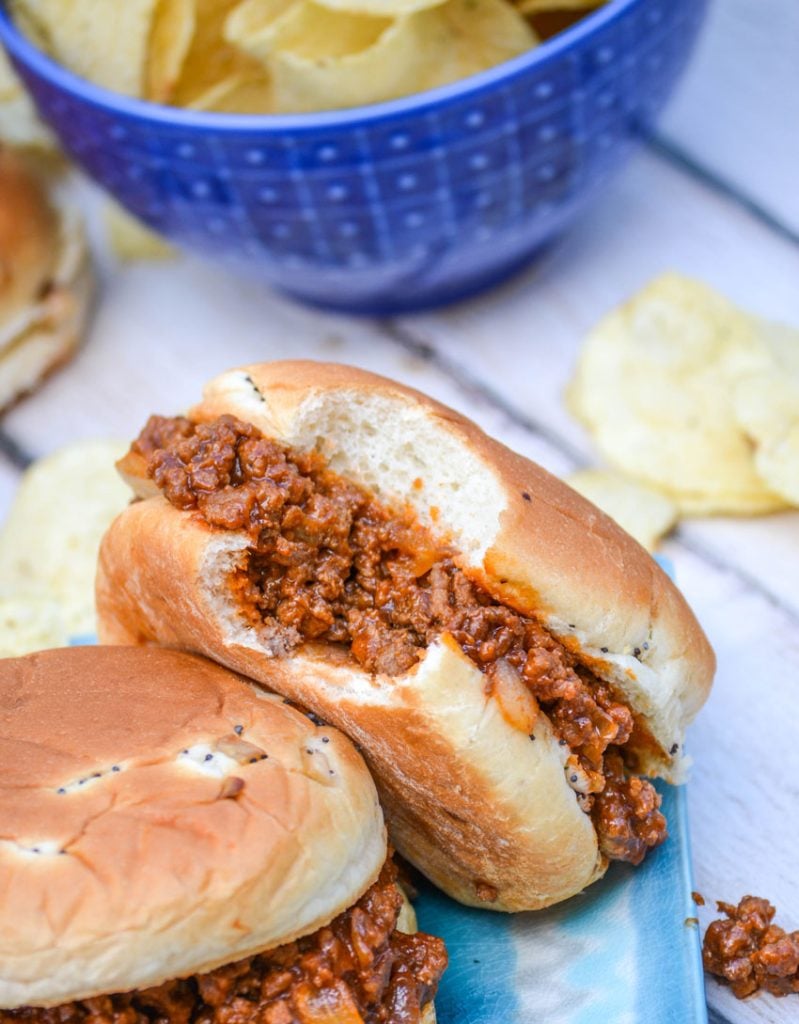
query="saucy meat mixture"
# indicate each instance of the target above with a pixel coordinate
(356, 970)
(749, 952)
(330, 563)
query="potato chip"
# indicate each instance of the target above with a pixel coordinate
(250, 25)
(474, 35)
(170, 40)
(104, 42)
(211, 59)
(654, 385)
(646, 514)
(32, 623)
(766, 405)
(240, 94)
(323, 59)
(131, 240)
(380, 8)
(49, 544)
(320, 59)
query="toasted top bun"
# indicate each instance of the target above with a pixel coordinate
(483, 811)
(144, 834)
(29, 232)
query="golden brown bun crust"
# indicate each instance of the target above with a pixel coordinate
(169, 867)
(28, 235)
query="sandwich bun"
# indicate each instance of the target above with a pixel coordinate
(46, 282)
(130, 856)
(487, 814)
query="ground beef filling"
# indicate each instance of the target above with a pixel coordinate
(749, 952)
(357, 970)
(329, 563)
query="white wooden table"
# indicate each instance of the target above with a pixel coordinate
(717, 196)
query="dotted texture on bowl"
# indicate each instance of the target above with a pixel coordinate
(402, 209)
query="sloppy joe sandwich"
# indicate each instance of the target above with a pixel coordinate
(45, 280)
(179, 845)
(509, 660)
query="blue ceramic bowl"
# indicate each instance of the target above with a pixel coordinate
(396, 206)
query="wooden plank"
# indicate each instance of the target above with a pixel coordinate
(737, 110)
(521, 342)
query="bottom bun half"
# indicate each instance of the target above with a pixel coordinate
(483, 809)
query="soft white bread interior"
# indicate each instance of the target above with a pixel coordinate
(46, 280)
(129, 856)
(483, 810)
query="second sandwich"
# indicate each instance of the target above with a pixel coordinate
(179, 846)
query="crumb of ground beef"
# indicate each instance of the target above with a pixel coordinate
(750, 953)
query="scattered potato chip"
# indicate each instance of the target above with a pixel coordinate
(49, 543)
(131, 240)
(766, 405)
(104, 42)
(654, 384)
(322, 59)
(646, 514)
(170, 39)
(31, 623)
(19, 122)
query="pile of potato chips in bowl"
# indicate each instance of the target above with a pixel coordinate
(373, 156)
(286, 56)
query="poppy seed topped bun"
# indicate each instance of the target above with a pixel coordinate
(485, 812)
(162, 817)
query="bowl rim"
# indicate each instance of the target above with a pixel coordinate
(21, 49)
